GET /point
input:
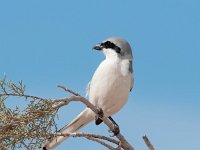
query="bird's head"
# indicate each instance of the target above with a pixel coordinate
(115, 48)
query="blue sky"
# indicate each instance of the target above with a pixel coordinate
(45, 43)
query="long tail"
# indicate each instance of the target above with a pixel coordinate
(80, 121)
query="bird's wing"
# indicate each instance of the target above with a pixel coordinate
(132, 82)
(87, 90)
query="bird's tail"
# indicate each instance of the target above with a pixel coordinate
(81, 120)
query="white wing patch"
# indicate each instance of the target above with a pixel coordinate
(87, 90)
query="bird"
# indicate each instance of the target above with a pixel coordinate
(108, 89)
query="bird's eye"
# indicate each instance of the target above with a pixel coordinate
(111, 45)
(108, 44)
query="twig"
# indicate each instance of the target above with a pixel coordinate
(23, 95)
(68, 90)
(81, 134)
(100, 142)
(148, 143)
(27, 148)
(93, 137)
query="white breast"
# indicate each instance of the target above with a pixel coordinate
(110, 86)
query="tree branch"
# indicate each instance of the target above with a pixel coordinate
(68, 90)
(94, 137)
(148, 143)
(106, 120)
(35, 122)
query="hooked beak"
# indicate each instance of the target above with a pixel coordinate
(98, 47)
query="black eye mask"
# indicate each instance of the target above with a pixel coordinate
(111, 45)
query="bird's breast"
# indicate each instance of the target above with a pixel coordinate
(109, 87)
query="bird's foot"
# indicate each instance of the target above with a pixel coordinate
(100, 112)
(99, 115)
(116, 129)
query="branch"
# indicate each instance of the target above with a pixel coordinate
(106, 120)
(57, 103)
(68, 90)
(148, 143)
(101, 142)
(93, 137)
(35, 123)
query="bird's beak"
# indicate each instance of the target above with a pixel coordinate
(98, 47)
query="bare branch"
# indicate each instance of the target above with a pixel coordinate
(96, 136)
(23, 95)
(101, 142)
(148, 143)
(80, 134)
(93, 137)
(105, 119)
(68, 90)
(35, 123)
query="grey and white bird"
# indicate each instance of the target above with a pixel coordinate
(109, 87)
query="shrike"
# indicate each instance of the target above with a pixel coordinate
(109, 87)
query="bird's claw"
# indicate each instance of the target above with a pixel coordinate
(99, 115)
(100, 112)
(115, 130)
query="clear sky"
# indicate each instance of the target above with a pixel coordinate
(45, 43)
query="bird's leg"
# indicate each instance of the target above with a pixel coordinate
(98, 121)
(116, 129)
(98, 117)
